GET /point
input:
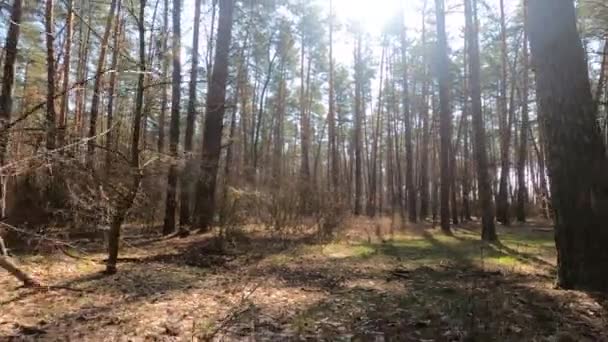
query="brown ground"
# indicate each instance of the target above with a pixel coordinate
(409, 286)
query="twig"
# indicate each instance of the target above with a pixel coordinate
(233, 313)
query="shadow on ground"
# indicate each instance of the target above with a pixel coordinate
(414, 287)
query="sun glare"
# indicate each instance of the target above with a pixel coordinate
(373, 15)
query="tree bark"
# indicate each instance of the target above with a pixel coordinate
(407, 117)
(16, 272)
(424, 116)
(63, 113)
(445, 113)
(187, 174)
(334, 162)
(50, 69)
(483, 178)
(576, 156)
(97, 85)
(358, 127)
(176, 78)
(164, 74)
(502, 202)
(522, 189)
(125, 202)
(112, 89)
(8, 77)
(212, 136)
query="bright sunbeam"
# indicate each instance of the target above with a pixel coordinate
(373, 15)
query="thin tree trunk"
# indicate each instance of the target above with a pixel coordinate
(164, 74)
(50, 68)
(424, 115)
(63, 113)
(176, 78)
(334, 168)
(112, 89)
(125, 202)
(445, 114)
(97, 85)
(15, 271)
(188, 172)
(502, 202)
(81, 72)
(358, 127)
(407, 118)
(522, 189)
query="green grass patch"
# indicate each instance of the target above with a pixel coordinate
(341, 251)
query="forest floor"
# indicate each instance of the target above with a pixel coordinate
(370, 284)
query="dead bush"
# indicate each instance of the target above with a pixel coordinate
(330, 213)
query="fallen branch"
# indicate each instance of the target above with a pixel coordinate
(11, 268)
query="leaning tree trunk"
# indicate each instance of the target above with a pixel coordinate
(15, 271)
(216, 106)
(575, 152)
(483, 178)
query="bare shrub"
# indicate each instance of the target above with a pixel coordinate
(281, 211)
(330, 213)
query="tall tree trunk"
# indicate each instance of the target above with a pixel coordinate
(212, 136)
(164, 74)
(277, 156)
(176, 78)
(118, 26)
(466, 177)
(373, 177)
(63, 113)
(50, 69)
(424, 117)
(97, 85)
(84, 35)
(334, 162)
(407, 118)
(358, 127)
(522, 189)
(6, 92)
(502, 202)
(304, 132)
(188, 173)
(488, 232)
(445, 114)
(125, 202)
(576, 156)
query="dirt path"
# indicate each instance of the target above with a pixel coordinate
(408, 287)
